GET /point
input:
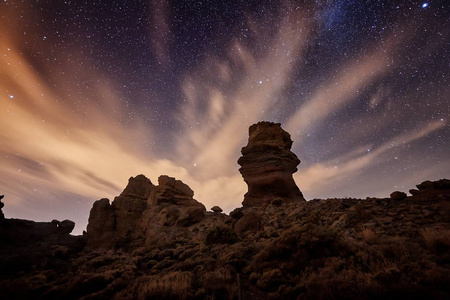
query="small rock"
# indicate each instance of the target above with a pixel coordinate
(398, 195)
(216, 209)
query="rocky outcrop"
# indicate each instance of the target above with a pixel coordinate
(436, 185)
(142, 213)
(322, 249)
(398, 195)
(2, 216)
(267, 165)
(27, 246)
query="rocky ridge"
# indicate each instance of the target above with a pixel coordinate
(159, 242)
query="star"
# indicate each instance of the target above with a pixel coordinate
(425, 5)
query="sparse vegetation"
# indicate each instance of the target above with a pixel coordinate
(221, 235)
(333, 249)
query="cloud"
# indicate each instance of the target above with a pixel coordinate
(216, 120)
(325, 176)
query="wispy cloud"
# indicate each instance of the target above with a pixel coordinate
(324, 176)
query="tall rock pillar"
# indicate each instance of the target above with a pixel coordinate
(267, 165)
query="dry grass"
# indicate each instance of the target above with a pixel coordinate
(437, 240)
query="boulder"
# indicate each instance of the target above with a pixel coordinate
(267, 165)
(426, 185)
(249, 222)
(414, 192)
(216, 209)
(398, 195)
(64, 227)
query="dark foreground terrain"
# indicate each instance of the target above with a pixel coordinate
(321, 249)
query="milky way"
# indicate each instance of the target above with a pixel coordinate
(94, 93)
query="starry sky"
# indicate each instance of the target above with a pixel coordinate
(93, 92)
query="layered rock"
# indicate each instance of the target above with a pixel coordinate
(267, 165)
(141, 213)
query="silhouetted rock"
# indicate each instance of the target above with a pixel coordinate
(216, 209)
(442, 184)
(267, 165)
(2, 216)
(414, 192)
(66, 226)
(426, 185)
(237, 213)
(398, 195)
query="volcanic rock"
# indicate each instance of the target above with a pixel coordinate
(143, 212)
(426, 185)
(138, 187)
(101, 224)
(216, 209)
(320, 249)
(439, 185)
(267, 165)
(398, 195)
(414, 192)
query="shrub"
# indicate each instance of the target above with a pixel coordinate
(221, 235)
(436, 240)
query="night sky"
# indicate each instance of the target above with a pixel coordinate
(93, 92)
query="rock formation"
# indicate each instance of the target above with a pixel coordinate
(142, 212)
(216, 209)
(2, 216)
(267, 165)
(392, 248)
